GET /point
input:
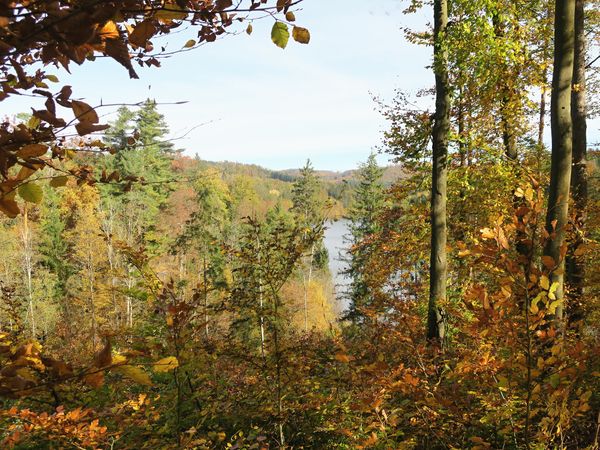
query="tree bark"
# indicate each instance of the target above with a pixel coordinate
(579, 182)
(562, 132)
(439, 178)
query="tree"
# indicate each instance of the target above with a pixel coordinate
(439, 177)
(579, 175)
(307, 209)
(368, 202)
(562, 145)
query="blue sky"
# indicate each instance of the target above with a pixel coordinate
(260, 104)
(275, 107)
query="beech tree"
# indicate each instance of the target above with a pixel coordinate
(562, 146)
(439, 178)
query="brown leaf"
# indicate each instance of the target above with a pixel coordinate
(32, 150)
(116, 49)
(9, 207)
(141, 33)
(84, 128)
(84, 112)
(104, 357)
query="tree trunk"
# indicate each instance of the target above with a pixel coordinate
(439, 178)
(562, 131)
(579, 187)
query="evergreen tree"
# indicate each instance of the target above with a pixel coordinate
(142, 153)
(369, 199)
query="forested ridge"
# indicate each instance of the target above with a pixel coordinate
(151, 299)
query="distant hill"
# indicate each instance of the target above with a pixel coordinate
(390, 174)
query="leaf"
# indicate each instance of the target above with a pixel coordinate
(109, 31)
(249, 29)
(171, 11)
(32, 150)
(548, 262)
(52, 78)
(301, 35)
(544, 282)
(342, 357)
(166, 364)
(552, 290)
(190, 43)
(84, 112)
(487, 233)
(118, 50)
(141, 33)
(223, 4)
(9, 207)
(31, 192)
(290, 17)
(280, 34)
(84, 128)
(554, 380)
(553, 305)
(134, 373)
(57, 182)
(95, 379)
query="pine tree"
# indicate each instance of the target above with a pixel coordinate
(369, 199)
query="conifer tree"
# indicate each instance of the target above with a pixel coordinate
(369, 199)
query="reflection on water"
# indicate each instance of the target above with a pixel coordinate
(334, 241)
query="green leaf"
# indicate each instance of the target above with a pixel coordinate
(31, 192)
(280, 34)
(554, 380)
(52, 78)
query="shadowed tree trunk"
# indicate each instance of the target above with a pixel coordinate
(438, 265)
(562, 132)
(579, 188)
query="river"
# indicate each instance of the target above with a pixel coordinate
(334, 242)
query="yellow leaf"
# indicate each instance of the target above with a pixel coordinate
(134, 373)
(109, 31)
(166, 364)
(544, 282)
(190, 43)
(487, 233)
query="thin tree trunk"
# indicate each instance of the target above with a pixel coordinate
(307, 285)
(28, 266)
(508, 132)
(438, 264)
(562, 131)
(579, 182)
(205, 292)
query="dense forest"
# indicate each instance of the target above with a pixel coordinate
(150, 299)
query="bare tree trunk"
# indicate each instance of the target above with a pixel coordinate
(579, 182)
(28, 267)
(562, 133)
(307, 285)
(92, 300)
(438, 261)
(261, 305)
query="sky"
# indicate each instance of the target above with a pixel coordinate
(250, 101)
